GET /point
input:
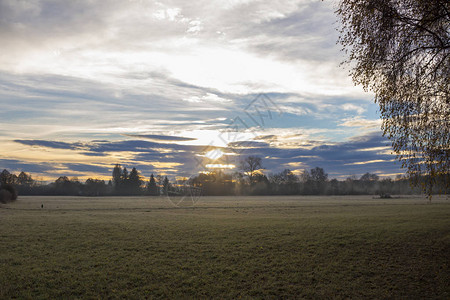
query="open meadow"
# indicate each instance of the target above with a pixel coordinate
(225, 247)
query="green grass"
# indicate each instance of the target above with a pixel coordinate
(225, 247)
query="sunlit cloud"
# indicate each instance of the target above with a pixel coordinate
(360, 122)
(154, 137)
(368, 162)
(220, 166)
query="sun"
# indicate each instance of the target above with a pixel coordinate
(214, 154)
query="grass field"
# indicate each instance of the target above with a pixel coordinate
(225, 247)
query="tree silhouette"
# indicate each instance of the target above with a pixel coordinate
(369, 182)
(318, 175)
(124, 182)
(250, 166)
(65, 186)
(260, 184)
(369, 177)
(6, 178)
(166, 186)
(314, 181)
(8, 193)
(214, 183)
(25, 179)
(134, 182)
(124, 175)
(284, 182)
(400, 50)
(152, 188)
(94, 187)
(117, 177)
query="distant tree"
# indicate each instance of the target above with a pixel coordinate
(285, 182)
(305, 176)
(25, 184)
(369, 183)
(25, 179)
(109, 188)
(94, 187)
(305, 180)
(250, 166)
(276, 179)
(260, 184)
(8, 193)
(124, 175)
(333, 187)
(134, 182)
(224, 183)
(159, 180)
(4, 177)
(369, 177)
(314, 181)
(239, 183)
(203, 179)
(117, 177)
(152, 188)
(349, 185)
(214, 183)
(62, 180)
(400, 50)
(318, 175)
(7, 178)
(64, 186)
(166, 186)
(386, 187)
(291, 182)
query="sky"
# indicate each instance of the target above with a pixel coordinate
(181, 87)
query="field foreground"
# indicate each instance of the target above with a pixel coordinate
(225, 247)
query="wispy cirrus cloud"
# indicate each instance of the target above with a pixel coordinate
(155, 137)
(361, 122)
(51, 144)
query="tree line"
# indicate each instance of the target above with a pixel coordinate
(249, 180)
